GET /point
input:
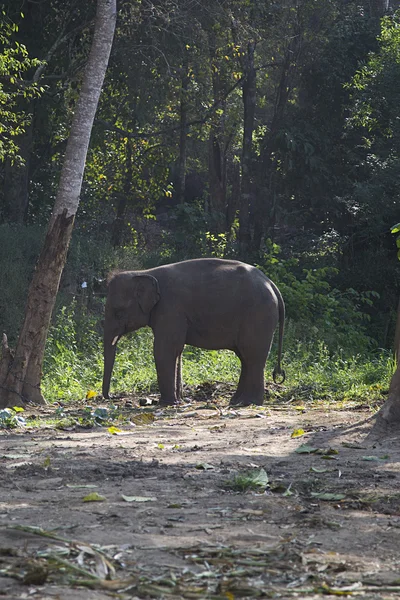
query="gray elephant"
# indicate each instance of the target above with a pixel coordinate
(206, 302)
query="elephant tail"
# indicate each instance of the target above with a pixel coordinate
(278, 371)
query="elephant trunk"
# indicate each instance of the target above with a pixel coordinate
(109, 358)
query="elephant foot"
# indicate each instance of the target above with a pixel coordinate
(167, 402)
(245, 401)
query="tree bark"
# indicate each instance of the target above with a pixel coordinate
(249, 105)
(388, 418)
(22, 382)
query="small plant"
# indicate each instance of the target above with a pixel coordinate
(255, 481)
(10, 418)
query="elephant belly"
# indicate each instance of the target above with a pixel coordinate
(214, 338)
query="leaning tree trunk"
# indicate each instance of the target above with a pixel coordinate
(23, 371)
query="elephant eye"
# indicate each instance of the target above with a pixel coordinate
(119, 313)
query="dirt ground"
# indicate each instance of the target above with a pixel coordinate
(174, 518)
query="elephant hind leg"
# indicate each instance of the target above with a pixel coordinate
(251, 385)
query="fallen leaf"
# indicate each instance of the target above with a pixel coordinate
(328, 496)
(113, 430)
(143, 419)
(93, 497)
(305, 449)
(297, 433)
(88, 485)
(138, 498)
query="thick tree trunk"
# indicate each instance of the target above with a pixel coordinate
(247, 192)
(22, 382)
(388, 418)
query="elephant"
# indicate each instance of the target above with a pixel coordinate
(209, 303)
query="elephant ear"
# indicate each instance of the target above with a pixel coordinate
(147, 292)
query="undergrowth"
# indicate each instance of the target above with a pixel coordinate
(74, 366)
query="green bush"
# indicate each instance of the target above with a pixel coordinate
(316, 310)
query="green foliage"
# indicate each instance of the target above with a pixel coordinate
(190, 235)
(19, 249)
(315, 374)
(14, 64)
(317, 310)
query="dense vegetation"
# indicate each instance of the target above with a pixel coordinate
(263, 131)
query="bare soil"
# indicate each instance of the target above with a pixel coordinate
(172, 522)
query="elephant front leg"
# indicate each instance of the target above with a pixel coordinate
(166, 365)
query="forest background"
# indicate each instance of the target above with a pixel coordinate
(263, 131)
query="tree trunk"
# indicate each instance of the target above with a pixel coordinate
(234, 197)
(388, 418)
(216, 150)
(217, 187)
(264, 212)
(249, 105)
(22, 382)
(116, 235)
(16, 178)
(183, 111)
(377, 8)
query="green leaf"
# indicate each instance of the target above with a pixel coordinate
(327, 496)
(259, 478)
(395, 228)
(94, 497)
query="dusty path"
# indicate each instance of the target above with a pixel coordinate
(194, 536)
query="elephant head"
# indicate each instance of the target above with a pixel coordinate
(131, 297)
